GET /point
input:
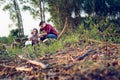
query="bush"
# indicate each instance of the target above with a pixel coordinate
(12, 52)
(3, 39)
(99, 29)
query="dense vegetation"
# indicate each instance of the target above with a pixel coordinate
(103, 14)
(100, 23)
(99, 28)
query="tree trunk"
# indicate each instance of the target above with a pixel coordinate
(40, 7)
(64, 29)
(59, 20)
(42, 10)
(19, 19)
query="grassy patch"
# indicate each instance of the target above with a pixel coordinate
(52, 47)
(12, 52)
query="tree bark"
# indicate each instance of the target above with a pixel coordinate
(40, 7)
(36, 63)
(42, 10)
(19, 19)
(64, 28)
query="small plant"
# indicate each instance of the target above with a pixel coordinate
(12, 52)
(73, 38)
(52, 47)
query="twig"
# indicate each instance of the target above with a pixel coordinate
(40, 64)
(64, 28)
(16, 68)
(3, 71)
(85, 54)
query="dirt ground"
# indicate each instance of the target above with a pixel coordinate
(91, 62)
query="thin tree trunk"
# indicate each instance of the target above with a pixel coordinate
(19, 19)
(41, 11)
(93, 12)
(59, 22)
(64, 29)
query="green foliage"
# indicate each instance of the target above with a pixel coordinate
(52, 47)
(82, 33)
(5, 56)
(12, 6)
(14, 33)
(12, 52)
(7, 40)
(111, 33)
(71, 39)
(35, 7)
(42, 49)
(3, 39)
(59, 10)
(103, 30)
(31, 51)
(59, 44)
(98, 27)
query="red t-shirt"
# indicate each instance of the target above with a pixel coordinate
(49, 29)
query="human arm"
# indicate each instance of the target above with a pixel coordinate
(42, 34)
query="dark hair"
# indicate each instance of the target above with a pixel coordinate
(41, 23)
(36, 30)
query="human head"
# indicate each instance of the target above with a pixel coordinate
(42, 24)
(35, 31)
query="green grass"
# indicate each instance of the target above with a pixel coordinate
(42, 49)
(58, 44)
(72, 39)
(67, 39)
(52, 47)
(12, 52)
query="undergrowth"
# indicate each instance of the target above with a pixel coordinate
(42, 49)
(100, 31)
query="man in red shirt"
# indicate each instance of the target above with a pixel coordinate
(48, 31)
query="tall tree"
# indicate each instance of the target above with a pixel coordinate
(106, 8)
(42, 9)
(19, 19)
(89, 7)
(60, 9)
(35, 7)
(15, 15)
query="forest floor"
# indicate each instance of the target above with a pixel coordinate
(94, 61)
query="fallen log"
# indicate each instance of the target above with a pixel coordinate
(96, 41)
(2, 72)
(37, 63)
(40, 64)
(85, 54)
(69, 66)
(24, 69)
(16, 68)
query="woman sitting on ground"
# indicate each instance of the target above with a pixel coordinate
(34, 38)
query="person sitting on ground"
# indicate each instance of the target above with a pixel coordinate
(34, 38)
(48, 31)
